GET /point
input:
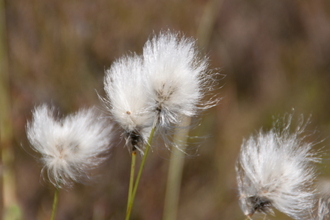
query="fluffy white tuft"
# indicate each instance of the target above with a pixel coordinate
(128, 98)
(275, 169)
(71, 146)
(177, 76)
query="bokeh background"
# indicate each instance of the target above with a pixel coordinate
(274, 54)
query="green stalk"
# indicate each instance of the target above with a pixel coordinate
(131, 201)
(55, 202)
(207, 23)
(131, 180)
(175, 172)
(9, 208)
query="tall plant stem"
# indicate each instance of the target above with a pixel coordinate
(131, 180)
(9, 207)
(55, 202)
(136, 184)
(207, 23)
(175, 172)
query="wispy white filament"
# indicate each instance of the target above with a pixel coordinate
(71, 146)
(275, 169)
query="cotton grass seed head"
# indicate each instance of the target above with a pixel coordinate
(177, 75)
(275, 170)
(128, 98)
(70, 147)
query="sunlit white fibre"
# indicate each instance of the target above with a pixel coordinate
(275, 169)
(69, 147)
(128, 96)
(177, 76)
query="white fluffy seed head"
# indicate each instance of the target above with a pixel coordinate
(274, 170)
(177, 76)
(69, 147)
(128, 98)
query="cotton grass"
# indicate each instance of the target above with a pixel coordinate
(69, 147)
(275, 170)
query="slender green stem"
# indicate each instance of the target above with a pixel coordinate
(136, 184)
(55, 202)
(173, 185)
(9, 207)
(131, 180)
(207, 22)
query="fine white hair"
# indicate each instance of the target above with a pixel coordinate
(275, 170)
(70, 147)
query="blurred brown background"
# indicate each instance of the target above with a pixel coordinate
(275, 55)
